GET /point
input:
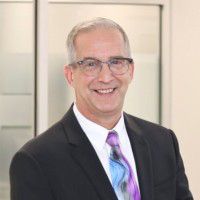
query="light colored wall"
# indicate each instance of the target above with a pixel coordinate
(185, 71)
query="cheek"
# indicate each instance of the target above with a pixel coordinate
(125, 81)
(81, 83)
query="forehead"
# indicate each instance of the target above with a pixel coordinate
(101, 42)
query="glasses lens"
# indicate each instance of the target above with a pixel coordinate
(119, 65)
(91, 66)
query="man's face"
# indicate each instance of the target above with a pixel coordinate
(104, 94)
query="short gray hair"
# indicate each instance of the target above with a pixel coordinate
(91, 25)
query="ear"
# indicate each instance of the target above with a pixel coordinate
(68, 72)
(131, 70)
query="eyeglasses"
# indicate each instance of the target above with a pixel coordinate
(93, 66)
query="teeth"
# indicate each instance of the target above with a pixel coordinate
(105, 91)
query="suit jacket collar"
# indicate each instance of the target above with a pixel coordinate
(84, 154)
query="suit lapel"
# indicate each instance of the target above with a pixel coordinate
(85, 156)
(142, 157)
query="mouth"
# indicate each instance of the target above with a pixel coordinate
(105, 91)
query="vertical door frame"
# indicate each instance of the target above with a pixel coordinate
(41, 65)
(42, 56)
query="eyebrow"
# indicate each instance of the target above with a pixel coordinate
(111, 57)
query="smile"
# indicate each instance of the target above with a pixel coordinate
(105, 91)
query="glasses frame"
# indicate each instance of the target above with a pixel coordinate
(108, 62)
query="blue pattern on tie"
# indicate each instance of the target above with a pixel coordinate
(123, 181)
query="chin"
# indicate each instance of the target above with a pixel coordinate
(109, 109)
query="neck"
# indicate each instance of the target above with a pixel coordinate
(107, 120)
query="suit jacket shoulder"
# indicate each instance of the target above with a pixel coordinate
(59, 164)
(157, 153)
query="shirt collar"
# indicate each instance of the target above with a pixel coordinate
(96, 133)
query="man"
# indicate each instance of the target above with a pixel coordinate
(98, 152)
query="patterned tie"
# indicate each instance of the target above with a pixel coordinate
(122, 176)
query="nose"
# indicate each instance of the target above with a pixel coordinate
(105, 75)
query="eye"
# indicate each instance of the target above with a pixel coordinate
(115, 62)
(91, 63)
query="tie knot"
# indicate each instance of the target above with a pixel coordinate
(112, 139)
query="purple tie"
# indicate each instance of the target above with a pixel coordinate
(123, 180)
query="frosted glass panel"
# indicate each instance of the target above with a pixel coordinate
(142, 26)
(16, 83)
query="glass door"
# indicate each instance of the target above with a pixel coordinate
(16, 82)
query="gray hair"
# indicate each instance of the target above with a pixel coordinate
(91, 25)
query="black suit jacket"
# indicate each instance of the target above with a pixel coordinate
(61, 164)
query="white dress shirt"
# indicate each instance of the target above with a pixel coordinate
(97, 136)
